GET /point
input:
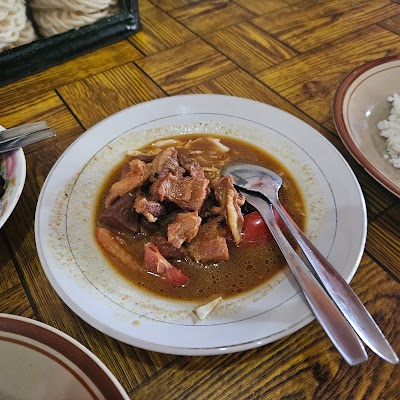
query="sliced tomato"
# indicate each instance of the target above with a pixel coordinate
(158, 265)
(255, 230)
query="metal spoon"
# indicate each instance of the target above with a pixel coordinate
(267, 183)
(328, 315)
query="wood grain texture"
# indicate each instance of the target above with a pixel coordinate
(392, 23)
(8, 274)
(160, 32)
(309, 24)
(310, 80)
(116, 54)
(249, 47)
(258, 7)
(44, 107)
(242, 84)
(383, 241)
(144, 5)
(99, 96)
(292, 2)
(185, 66)
(168, 5)
(15, 301)
(208, 16)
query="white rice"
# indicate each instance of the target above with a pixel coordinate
(390, 129)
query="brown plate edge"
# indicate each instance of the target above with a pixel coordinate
(338, 117)
(66, 346)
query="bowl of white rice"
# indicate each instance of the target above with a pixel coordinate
(366, 111)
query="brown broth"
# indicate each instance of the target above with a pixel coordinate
(246, 269)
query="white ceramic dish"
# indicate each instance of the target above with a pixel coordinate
(360, 103)
(78, 272)
(13, 170)
(39, 362)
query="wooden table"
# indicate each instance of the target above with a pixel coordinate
(287, 53)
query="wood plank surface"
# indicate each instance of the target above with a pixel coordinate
(160, 32)
(309, 80)
(8, 274)
(99, 96)
(383, 242)
(114, 55)
(290, 54)
(309, 24)
(262, 7)
(187, 65)
(249, 47)
(208, 16)
(392, 23)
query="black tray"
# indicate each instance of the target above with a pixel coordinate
(43, 53)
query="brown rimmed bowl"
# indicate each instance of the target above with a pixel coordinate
(41, 362)
(359, 104)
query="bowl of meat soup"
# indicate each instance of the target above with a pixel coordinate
(218, 275)
(172, 224)
(257, 290)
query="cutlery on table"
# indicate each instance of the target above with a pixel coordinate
(23, 135)
(256, 179)
(328, 315)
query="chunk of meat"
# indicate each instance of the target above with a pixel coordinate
(192, 167)
(150, 209)
(166, 162)
(121, 216)
(158, 265)
(187, 192)
(138, 174)
(124, 170)
(209, 203)
(116, 248)
(145, 158)
(230, 203)
(184, 228)
(210, 243)
(167, 250)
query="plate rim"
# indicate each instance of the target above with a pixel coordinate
(55, 339)
(202, 350)
(339, 120)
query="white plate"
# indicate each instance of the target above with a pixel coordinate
(86, 283)
(39, 362)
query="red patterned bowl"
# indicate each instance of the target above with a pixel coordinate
(13, 172)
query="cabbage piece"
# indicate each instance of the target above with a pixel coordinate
(206, 309)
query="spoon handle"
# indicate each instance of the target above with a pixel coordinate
(22, 130)
(30, 138)
(331, 319)
(341, 292)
